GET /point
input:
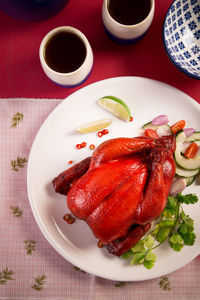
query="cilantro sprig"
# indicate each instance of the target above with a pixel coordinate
(187, 199)
(173, 225)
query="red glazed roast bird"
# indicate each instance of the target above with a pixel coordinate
(121, 188)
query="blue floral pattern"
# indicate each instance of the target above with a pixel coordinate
(181, 35)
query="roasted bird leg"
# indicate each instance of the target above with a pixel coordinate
(63, 181)
(123, 244)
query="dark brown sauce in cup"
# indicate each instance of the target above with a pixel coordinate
(65, 52)
(129, 12)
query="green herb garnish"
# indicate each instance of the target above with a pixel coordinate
(173, 225)
(187, 199)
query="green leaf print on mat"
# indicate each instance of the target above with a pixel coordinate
(18, 163)
(120, 284)
(16, 119)
(5, 276)
(17, 212)
(39, 283)
(164, 284)
(29, 246)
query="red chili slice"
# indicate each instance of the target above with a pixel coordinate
(83, 144)
(92, 147)
(78, 146)
(68, 218)
(100, 244)
(105, 131)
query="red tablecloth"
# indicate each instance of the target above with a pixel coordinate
(29, 267)
(22, 76)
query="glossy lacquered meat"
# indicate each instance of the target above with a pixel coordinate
(121, 188)
(124, 243)
(64, 180)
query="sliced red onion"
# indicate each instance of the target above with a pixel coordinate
(188, 131)
(177, 186)
(160, 120)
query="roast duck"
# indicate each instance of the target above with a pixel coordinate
(121, 189)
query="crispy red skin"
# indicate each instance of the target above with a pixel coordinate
(63, 181)
(126, 182)
(123, 244)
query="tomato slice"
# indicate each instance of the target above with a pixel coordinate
(151, 133)
(191, 150)
(178, 126)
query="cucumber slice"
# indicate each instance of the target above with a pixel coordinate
(161, 129)
(189, 180)
(185, 173)
(149, 125)
(194, 137)
(185, 145)
(188, 164)
(198, 178)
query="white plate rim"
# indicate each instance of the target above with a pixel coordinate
(34, 208)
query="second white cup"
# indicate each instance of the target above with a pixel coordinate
(126, 33)
(66, 56)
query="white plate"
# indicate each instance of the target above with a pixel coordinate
(54, 146)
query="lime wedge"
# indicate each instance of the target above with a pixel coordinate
(116, 106)
(94, 126)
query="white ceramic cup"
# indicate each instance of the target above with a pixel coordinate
(73, 78)
(126, 34)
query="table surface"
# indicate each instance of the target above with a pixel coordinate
(29, 266)
(22, 76)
